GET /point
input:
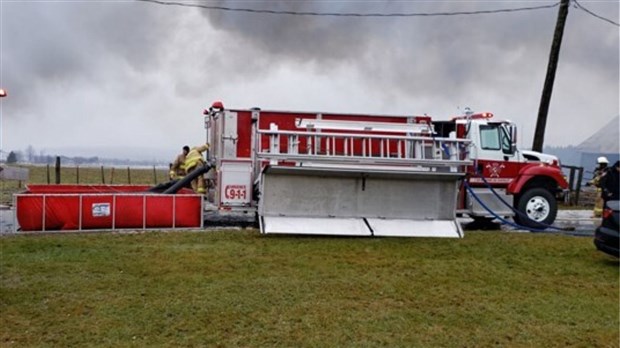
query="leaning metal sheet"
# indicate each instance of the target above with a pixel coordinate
(319, 226)
(415, 228)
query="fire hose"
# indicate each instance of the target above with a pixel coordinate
(516, 211)
(510, 223)
(173, 186)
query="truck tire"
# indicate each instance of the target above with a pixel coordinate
(538, 206)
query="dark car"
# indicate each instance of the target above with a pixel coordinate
(606, 235)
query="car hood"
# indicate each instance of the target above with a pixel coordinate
(613, 205)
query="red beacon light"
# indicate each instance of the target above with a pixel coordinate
(217, 105)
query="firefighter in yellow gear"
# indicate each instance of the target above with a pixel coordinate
(194, 160)
(600, 170)
(177, 169)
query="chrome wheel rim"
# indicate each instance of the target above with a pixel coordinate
(537, 208)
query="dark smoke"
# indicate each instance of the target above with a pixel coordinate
(147, 68)
(50, 45)
(419, 55)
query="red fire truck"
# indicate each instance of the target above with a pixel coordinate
(381, 175)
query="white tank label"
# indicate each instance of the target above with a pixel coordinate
(101, 209)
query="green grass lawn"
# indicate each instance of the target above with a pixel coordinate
(238, 288)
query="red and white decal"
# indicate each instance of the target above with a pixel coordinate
(495, 169)
(235, 192)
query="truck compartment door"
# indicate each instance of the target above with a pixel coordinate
(491, 201)
(235, 177)
(358, 200)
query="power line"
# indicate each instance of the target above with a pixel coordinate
(349, 14)
(579, 6)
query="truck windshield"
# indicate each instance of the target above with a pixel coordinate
(489, 137)
(494, 137)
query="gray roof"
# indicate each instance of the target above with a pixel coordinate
(606, 140)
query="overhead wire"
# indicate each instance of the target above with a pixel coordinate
(579, 6)
(375, 14)
(348, 14)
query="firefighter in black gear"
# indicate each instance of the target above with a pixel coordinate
(609, 183)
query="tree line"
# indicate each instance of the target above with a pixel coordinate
(30, 156)
(18, 157)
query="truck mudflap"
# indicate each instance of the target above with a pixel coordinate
(359, 200)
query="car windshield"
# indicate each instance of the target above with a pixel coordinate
(613, 205)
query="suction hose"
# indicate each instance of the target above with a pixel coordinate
(174, 186)
(188, 179)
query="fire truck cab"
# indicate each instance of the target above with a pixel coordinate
(528, 181)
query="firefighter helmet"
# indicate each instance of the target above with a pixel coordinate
(601, 160)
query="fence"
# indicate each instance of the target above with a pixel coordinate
(575, 177)
(103, 175)
(51, 174)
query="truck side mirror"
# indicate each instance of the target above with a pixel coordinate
(509, 138)
(513, 138)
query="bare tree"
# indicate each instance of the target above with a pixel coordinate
(41, 157)
(30, 153)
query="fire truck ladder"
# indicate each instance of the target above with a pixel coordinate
(360, 179)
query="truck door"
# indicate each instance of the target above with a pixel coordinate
(497, 160)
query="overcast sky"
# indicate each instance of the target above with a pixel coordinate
(131, 75)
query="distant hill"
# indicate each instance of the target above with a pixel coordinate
(568, 155)
(606, 140)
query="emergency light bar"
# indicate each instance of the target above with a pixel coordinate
(482, 115)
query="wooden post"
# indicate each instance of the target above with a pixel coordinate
(571, 185)
(48, 174)
(154, 176)
(578, 189)
(57, 170)
(128, 176)
(554, 55)
(77, 174)
(112, 176)
(102, 176)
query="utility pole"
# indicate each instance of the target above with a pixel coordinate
(554, 55)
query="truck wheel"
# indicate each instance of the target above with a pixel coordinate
(538, 205)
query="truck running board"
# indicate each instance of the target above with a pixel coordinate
(359, 201)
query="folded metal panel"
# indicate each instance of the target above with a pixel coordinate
(411, 198)
(415, 228)
(318, 226)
